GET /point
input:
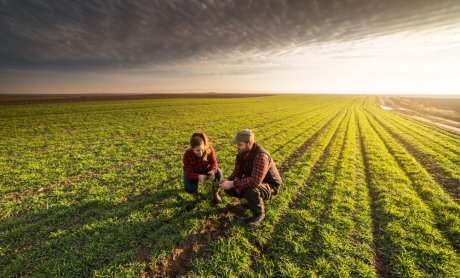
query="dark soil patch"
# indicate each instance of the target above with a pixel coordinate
(194, 246)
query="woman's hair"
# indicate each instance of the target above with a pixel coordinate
(198, 139)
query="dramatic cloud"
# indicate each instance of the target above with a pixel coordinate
(380, 46)
(82, 35)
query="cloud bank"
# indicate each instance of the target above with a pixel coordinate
(101, 35)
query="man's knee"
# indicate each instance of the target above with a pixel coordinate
(255, 200)
(251, 193)
(266, 191)
(232, 192)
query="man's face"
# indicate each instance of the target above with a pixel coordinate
(243, 147)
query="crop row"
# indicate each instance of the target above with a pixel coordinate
(129, 202)
(407, 237)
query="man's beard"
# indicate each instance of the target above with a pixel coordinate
(243, 152)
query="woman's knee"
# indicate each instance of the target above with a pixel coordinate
(190, 186)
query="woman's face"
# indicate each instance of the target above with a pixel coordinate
(199, 150)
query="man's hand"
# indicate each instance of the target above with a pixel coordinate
(201, 178)
(226, 184)
(211, 175)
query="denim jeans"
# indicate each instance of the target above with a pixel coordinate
(192, 186)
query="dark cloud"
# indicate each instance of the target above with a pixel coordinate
(105, 34)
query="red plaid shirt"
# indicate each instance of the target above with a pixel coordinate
(194, 165)
(260, 168)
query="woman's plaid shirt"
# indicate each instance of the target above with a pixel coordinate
(194, 165)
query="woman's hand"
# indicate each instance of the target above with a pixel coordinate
(201, 178)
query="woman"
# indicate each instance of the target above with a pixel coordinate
(200, 163)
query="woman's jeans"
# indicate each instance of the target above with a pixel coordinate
(192, 186)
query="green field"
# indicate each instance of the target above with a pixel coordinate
(95, 189)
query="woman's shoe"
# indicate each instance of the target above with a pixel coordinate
(215, 196)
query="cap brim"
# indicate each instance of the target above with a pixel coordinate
(234, 141)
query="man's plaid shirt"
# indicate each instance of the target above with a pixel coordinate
(194, 165)
(260, 168)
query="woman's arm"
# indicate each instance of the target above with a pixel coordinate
(188, 167)
(213, 160)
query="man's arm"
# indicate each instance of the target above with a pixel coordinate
(236, 171)
(259, 170)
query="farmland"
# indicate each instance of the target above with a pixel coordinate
(95, 189)
(442, 112)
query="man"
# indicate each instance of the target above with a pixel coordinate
(255, 177)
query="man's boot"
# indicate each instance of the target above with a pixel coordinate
(256, 204)
(215, 195)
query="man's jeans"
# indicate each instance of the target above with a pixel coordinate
(192, 186)
(254, 196)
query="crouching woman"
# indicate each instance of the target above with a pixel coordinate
(200, 164)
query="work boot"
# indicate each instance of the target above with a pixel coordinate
(256, 220)
(215, 196)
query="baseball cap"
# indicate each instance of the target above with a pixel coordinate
(244, 135)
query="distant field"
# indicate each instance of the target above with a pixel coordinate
(95, 189)
(6, 99)
(444, 108)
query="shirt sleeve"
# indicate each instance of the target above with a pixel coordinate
(188, 167)
(259, 169)
(213, 161)
(236, 170)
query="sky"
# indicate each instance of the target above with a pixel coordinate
(309, 46)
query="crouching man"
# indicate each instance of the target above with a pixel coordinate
(255, 177)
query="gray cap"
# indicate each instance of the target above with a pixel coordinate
(244, 135)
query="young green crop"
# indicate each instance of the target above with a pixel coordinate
(408, 239)
(445, 209)
(95, 189)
